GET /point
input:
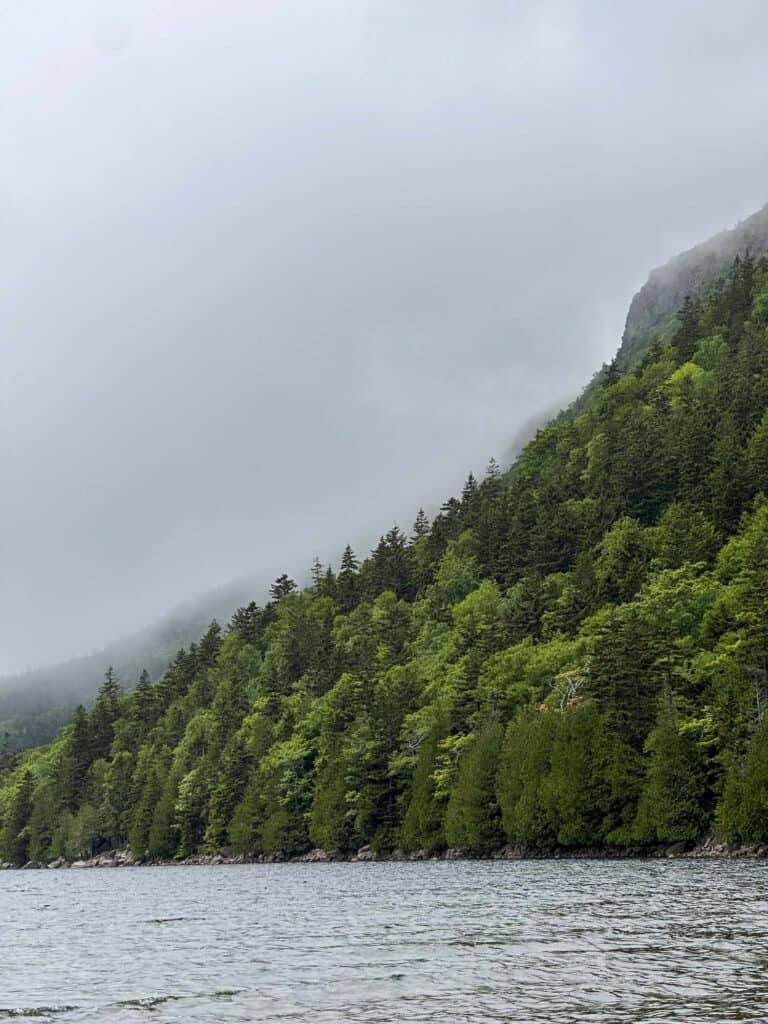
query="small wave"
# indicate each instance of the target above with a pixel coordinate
(172, 920)
(9, 1012)
(152, 1002)
(148, 1002)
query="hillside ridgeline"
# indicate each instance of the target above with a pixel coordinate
(572, 656)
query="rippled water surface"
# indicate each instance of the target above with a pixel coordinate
(441, 942)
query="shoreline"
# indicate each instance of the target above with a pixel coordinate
(707, 850)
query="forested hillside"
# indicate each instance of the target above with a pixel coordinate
(574, 654)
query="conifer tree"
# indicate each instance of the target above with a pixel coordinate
(422, 826)
(106, 711)
(209, 646)
(76, 758)
(282, 587)
(14, 837)
(347, 581)
(686, 337)
(671, 806)
(470, 502)
(743, 811)
(318, 574)
(421, 525)
(472, 817)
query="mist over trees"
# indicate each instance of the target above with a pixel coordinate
(35, 705)
(573, 653)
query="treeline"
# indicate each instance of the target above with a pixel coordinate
(573, 653)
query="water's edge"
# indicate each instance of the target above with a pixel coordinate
(708, 849)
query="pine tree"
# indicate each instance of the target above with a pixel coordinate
(686, 337)
(163, 834)
(76, 758)
(328, 584)
(422, 826)
(14, 837)
(610, 374)
(471, 501)
(524, 765)
(347, 580)
(391, 566)
(318, 574)
(672, 803)
(492, 479)
(209, 646)
(421, 525)
(743, 812)
(145, 705)
(728, 484)
(282, 587)
(106, 711)
(472, 817)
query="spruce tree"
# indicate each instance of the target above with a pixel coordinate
(14, 837)
(76, 758)
(422, 826)
(282, 587)
(347, 580)
(209, 646)
(685, 338)
(420, 525)
(672, 802)
(106, 711)
(318, 574)
(472, 817)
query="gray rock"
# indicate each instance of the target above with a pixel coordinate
(366, 853)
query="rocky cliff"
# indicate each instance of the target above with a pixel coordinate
(687, 274)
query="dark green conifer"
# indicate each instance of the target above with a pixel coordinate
(282, 586)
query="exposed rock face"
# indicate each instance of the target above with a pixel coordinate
(667, 286)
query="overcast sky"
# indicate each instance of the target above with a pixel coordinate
(276, 273)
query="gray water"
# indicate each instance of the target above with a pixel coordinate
(440, 942)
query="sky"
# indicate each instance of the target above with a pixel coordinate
(275, 274)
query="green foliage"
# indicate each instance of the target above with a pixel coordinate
(671, 807)
(523, 769)
(472, 817)
(504, 673)
(422, 826)
(743, 812)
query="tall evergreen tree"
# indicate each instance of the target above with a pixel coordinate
(282, 587)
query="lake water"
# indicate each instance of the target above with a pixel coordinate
(440, 942)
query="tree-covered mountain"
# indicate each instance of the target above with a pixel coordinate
(575, 653)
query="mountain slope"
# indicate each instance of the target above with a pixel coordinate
(689, 273)
(34, 705)
(572, 655)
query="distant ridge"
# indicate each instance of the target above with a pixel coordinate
(35, 704)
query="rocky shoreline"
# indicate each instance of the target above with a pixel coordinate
(709, 849)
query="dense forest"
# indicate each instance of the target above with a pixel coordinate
(572, 653)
